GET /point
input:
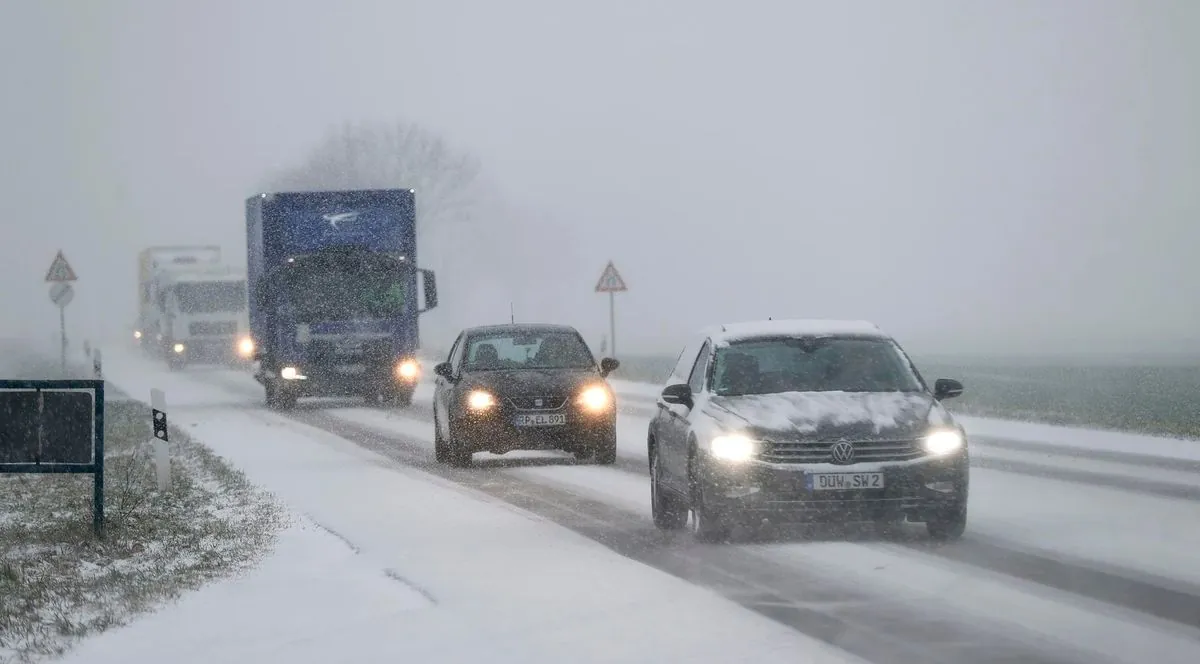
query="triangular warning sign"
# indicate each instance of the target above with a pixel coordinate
(60, 269)
(610, 280)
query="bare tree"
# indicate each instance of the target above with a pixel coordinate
(387, 156)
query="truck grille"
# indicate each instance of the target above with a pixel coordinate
(531, 403)
(213, 328)
(820, 451)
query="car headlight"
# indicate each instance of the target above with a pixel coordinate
(246, 347)
(408, 370)
(595, 398)
(480, 400)
(137, 334)
(178, 348)
(292, 373)
(943, 442)
(733, 447)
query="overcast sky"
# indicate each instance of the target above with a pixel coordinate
(972, 175)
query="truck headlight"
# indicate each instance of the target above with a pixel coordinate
(480, 400)
(137, 334)
(246, 347)
(291, 373)
(733, 447)
(178, 348)
(408, 370)
(595, 398)
(943, 442)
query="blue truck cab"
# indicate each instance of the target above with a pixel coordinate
(333, 283)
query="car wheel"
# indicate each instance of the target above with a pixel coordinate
(279, 398)
(948, 525)
(460, 455)
(669, 511)
(706, 524)
(441, 452)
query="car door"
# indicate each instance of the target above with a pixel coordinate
(443, 390)
(675, 417)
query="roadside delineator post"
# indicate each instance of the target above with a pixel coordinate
(161, 442)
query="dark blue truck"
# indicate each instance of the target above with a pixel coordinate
(333, 287)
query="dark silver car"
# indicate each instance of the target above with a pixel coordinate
(780, 421)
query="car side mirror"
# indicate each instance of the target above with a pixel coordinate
(429, 285)
(608, 365)
(679, 394)
(947, 388)
(444, 370)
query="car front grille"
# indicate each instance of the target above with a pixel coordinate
(212, 327)
(820, 451)
(537, 403)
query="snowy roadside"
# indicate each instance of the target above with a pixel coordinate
(59, 584)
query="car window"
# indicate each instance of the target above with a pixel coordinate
(687, 360)
(813, 364)
(699, 369)
(456, 353)
(554, 349)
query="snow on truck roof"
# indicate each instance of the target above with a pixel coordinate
(798, 327)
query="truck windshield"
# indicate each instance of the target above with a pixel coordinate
(343, 287)
(201, 297)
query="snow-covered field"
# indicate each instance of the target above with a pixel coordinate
(1081, 547)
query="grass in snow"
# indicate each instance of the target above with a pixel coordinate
(58, 583)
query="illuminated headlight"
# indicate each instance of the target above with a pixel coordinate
(480, 400)
(595, 398)
(943, 442)
(291, 373)
(408, 370)
(733, 447)
(246, 347)
(137, 334)
(178, 348)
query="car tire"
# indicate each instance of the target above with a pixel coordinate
(459, 455)
(280, 399)
(948, 525)
(669, 511)
(441, 452)
(706, 524)
(603, 452)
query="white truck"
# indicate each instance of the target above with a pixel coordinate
(192, 307)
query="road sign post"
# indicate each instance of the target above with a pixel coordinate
(55, 427)
(61, 293)
(611, 283)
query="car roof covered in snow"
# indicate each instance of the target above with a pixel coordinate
(518, 328)
(745, 331)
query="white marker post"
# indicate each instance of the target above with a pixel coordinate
(161, 442)
(611, 283)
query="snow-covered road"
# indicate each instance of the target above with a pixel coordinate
(1081, 546)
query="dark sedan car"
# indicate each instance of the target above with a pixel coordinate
(523, 387)
(784, 421)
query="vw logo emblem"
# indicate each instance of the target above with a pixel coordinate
(842, 453)
(537, 403)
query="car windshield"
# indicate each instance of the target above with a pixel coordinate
(343, 287)
(211, 296)
(528, 350)
(812, 364)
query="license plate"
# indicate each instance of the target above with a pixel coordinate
(843, 481)
(540, 419)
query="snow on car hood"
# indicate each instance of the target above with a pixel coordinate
(829, 415)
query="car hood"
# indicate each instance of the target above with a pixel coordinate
(534, 382)
(858, 416)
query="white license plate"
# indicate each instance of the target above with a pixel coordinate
(540, 419)
(844, 481)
